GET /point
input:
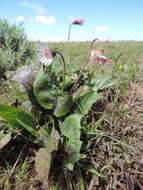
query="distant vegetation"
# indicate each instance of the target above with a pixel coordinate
(15, 49)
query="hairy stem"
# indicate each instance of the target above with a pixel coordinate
(64, 66)
(115, 62)
(68, 39)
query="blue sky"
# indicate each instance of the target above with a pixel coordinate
(48, 20)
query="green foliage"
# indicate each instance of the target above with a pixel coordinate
(91, 170)
(43, 157)
(63, 105)
(86, 101)
(22, 174)
(48, 92)
(68, 81)
(45, 89)
(105, 81)
(18, 118)
(70, 112)
(15, 50)
(70, 128)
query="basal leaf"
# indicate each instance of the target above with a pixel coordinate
(68, 81)
(27, 127)
(104, 82)
(85, 102)
(80, 91)
(18, 118)
(70, 128)
(62, 106)
(47, 98)
(43, 156)
(73, 151)
(50, 142)
(42, 163)
(91, 170)
(46, 90)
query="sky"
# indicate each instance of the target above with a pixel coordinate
(49, 20)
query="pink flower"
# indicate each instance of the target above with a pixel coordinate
(98, 57)
(78, 21)
(46, 55)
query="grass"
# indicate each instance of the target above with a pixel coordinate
(111, 157)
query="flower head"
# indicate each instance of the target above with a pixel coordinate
(78, 21)
(46, 55)
(98, 57)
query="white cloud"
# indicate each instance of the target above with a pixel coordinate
(46, 19)
(102, 28)
(39, 9)
(20, 19)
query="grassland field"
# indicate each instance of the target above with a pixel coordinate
(116, 151)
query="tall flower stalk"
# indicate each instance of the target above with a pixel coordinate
(77, 21)
(89, 53)
(69, 33)
(64, 67)
(86, 62)
(115, 62)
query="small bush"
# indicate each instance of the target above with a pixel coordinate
(15, 49)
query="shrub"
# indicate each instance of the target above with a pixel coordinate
(15, 49)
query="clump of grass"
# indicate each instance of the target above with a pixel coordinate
(112, 147)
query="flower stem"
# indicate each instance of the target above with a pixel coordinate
(82, 69)
(115, 62)
(68, 39)
(64, 67)
(89, 51)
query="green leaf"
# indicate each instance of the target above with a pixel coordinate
(86, 101)
(47, 98)
(68, 81)
(81, 180)
(18, 118)
(63, 106)
(44, 156)
(28, 128)
(46, 90)
(81, 91)
(105, 82)
(49, 142)
(70, 128)
(91, 170)
(73, 151)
